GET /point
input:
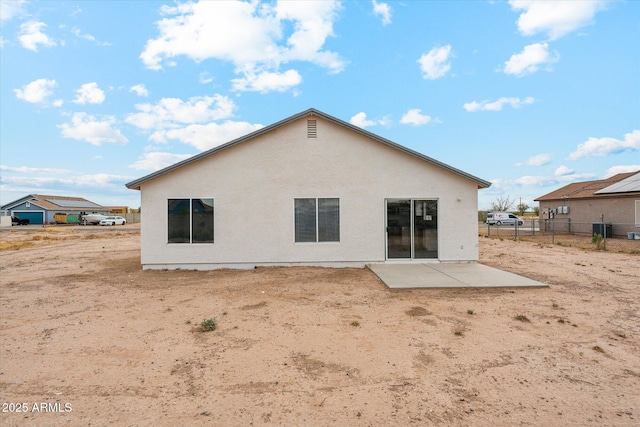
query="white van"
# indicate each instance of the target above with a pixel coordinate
(499, 218)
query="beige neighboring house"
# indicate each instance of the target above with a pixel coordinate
(308, 190)
(615, 201)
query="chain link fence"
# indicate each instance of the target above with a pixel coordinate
(614, 237)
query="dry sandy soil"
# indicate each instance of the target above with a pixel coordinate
(100, 342)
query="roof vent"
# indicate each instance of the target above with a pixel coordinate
(312, 129)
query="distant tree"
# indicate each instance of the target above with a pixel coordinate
(522, 208)
(502, 204)
(536, 210)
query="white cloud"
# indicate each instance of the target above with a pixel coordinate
(529, 180)
(84, 127)
(530, 60)
(174, 112)
(205, 78)
(538, 160)
(89, 37)
(139, 90)
(10, 9)
(434, 64)
(555, 18)
(37, 91)
(415, 117)
(497, 105)
(563, 171)
(384, 10)
(157, 160)
(287, 31)
(100, 180)
(361, 121)
(267, 81)
(191, 122)
(101, 187)
(615, 170)
(561, 176)
(89, 93)
(206, 136)
(605, 146)
(31, 36)
(30, 170)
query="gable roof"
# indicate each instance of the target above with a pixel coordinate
(52, 203)
(589, 189)
(135, 185)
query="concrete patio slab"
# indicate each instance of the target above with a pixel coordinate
(445, 275)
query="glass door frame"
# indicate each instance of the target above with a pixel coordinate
(412, 251)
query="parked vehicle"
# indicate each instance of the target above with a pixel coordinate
(113, 220)
(91, 219)
(499, 218)
(17, 221)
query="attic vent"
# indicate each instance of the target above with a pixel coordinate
(312, 129)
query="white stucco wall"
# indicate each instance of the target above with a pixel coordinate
(254, 184)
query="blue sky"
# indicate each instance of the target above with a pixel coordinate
(530, 95)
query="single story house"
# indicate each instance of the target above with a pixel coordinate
(41, 209)
(308, 190)
(577, 206)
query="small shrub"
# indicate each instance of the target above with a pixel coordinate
(621, 335)
(355, 323)
(522, 318)
(471, 312)
(417, 312)
(597, 239)
(598, 349)
(561, 320)
(555, 305)
(208, 325)
(458, 332)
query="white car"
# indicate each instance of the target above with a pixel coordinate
(113, 220)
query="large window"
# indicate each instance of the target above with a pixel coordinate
(317, 220)
(190, 220)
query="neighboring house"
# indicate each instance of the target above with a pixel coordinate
(308, 190)
(118, 210)
(578, 206)
(41, 209)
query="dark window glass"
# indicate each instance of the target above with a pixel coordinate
(178, 218)
(202, 225)
(305, 220)
(328, 220)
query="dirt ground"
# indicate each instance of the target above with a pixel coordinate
(88, 338)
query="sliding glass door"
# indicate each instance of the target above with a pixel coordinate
(398, 228)
(412, 229)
